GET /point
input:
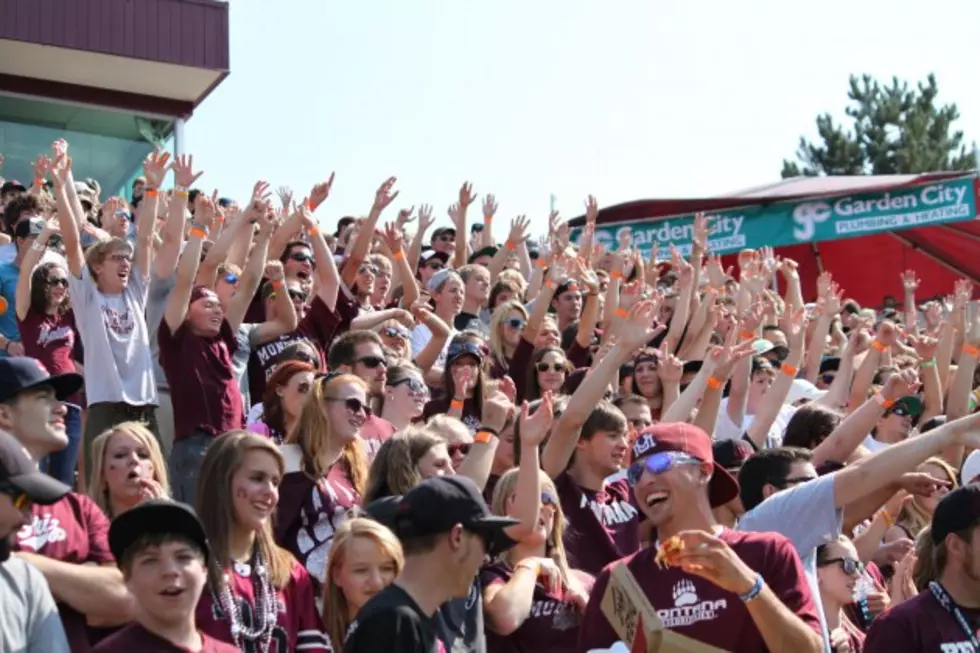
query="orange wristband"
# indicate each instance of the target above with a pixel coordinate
(485, 437)
(748, 335)
(622, 312)
(314, 230)
(971, 350)
(398, 256)
(276, 285)
(540, 263)
(877, 346)
(714, 384)
(884, 403)
(789, 370)
(615, 275)
(456, 403)
(548, 283)
(197, 231)
(150, 192)
(510, 245)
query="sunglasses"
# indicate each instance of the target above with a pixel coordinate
(303, 257)
(353, 404)
(372, 362)
(548, 499)
(459, 448)
(58, 281)
(367, 269)
(231, 278)
(395, 332)
(850, 566)
(297, 294)
(900, 410)
(554, 367)
(435, 265)
(659, 463)
(20, 500)
(415, 386)
(515, 323)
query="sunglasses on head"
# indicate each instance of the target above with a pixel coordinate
(459, 448)
(58, 281)
(414, 385)
(372, 362)
(515, 323)
(353, 404)
(659, 463)
(465, 348)
(543, 366)
(231, 278)
(20, 500)
(395, 332)
(548, 499)
(850, 566)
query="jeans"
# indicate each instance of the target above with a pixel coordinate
(185, 465)
(62, 464)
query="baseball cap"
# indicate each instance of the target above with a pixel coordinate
(569, 285)
(18, 470)
(384, 510)
(156, 517)
(490, 251)
(12, 186)
(911, 402)
(438, 279)
(971, 467)
(689, 439)
(433, 254)
(955, 512)
(437, 504)
(440, 231)
(459, 349)
(803, 389)
(730, 454)
(20, 373)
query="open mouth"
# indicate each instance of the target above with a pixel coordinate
(655, 499)
(263, 508)
(303, 274)
(172, 592)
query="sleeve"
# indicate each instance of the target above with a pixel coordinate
(806, 514)
(577, 355)
(786, 578)
(420, 338)
(519, 364)
(320, 324)
(45, 631)
(97, 527)
(595, 632)
(391, 631)
(310, 635)
(890, 632)
(491, 575)
(80, 290)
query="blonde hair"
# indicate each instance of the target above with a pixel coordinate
(96, 488)
(447, 427)
(98, 253)
(913, 518)
(335, 606)
(554, 547)
(498, 347)
(394, 470)
(313, 433)
(224, 458)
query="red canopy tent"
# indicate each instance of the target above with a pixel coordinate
(867, 267)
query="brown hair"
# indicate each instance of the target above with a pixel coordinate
(99, 252)
(394, 470)
(224, 458)
(272, 413)
(532, 389)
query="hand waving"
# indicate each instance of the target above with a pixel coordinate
(184, 175)
(534, 429)
(155, 168)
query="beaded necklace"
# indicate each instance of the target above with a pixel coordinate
(266, 607)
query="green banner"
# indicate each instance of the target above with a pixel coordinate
(805, 221)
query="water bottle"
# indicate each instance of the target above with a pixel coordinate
(864, 586)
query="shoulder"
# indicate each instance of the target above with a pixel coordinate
(759, 547)
(211, 645)
(795, 499)
(90, 511)
(292, 458)
(899, 624)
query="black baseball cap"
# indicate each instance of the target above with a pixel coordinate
(490, 251)
(437, 504)
(20, 373)
(829, 364)
(17, 469)
(955, 512)
(12, 186)
(156, 517)
(440, 231)
(384, 510)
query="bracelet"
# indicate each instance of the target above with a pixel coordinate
(531, 565)
(539, 262)
(38, 182)
(150, 192)
(884, 403)
(197, 231)
(714, 383)
(456, 403)
(789, 370)
(971, 351)
(484, 436)
(276, 285)
(877, 346)
(929, 363)
(489, 429)
(748, 335)
(181, 193)
(889, 521)
(548, 283)
(509, 244)
(398, 256)
(755, 591)
(36, 246)
(622, 312)
(615, 275)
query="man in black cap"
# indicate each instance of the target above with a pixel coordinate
(66, 540)
(447, 532)
(29, 619)
(163, 553)
(945, 615)
(444, 240)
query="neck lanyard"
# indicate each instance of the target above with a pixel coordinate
(942, 596)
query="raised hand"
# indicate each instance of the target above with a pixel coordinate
(285, 194)
(717, 276)
(925, 347)
(260, 202)
(591, 210)
(534, 429)
(489, 206)
(901, 384)
(887, 333)
(42, 166)
(205, 211)
(425, 217)
(61, 170)
(823, 283)
(404, 217)
(59, 148)
(518, 230)
(274, 271)
(624, 239)
(700, 236)
(769, 261)
(320, 192)
(793, 325)
(910, 282)
(934, 314)
(640, 325)
(393, 237)
(789, 269)
(383, 196)
(466, 196)
(155, 168)
(184, 175)
(671, 368)
(723, 359)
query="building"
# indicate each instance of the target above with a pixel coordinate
(115, 78)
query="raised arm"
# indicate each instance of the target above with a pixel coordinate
(795, 328)
(96, 592)
(251, 277)
(28, 263)
(909, 284)
(327, 275)
(415, 249)
(441, 332)
(395, 241)
(155, 168)
(516, 237)
(458, 214)
(179, 299)
(489, 210)
(365, 234)
(173, 231)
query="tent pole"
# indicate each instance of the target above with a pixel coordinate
(949, 266)
(817, 257)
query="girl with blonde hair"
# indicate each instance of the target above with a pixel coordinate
(256, 593)
(917, 513)
(506, 326)
(365, 558)
(325, 469)
(127, 469)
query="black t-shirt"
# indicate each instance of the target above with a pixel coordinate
(462, 321)
(392, 622)
(460, 623)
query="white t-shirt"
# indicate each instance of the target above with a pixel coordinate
(873, 445)
(421, 335)
(118, 363)
(726, 429)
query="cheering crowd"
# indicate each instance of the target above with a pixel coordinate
(225, 429)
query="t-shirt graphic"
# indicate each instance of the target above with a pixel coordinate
(43, 530)
(602, 526)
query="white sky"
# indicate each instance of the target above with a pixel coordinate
(625, 99)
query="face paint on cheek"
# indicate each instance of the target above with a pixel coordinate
(241, 494)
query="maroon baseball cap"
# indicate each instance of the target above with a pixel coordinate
(689, 439)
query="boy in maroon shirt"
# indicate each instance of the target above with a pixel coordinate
(945, 616)
(743, 592)
(163, 554)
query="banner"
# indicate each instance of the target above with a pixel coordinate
(804, 221)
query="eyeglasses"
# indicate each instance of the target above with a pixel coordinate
(58, 281)
(465, 348)
(850, 566)
(367, 269)
(659, 463)
(20, 500)
(395, 332)
(372, 362)
(119, 258)
(353, 404)
(515, 323)
(231, 278)
(297, 294)
(542, 366)
(459, 448)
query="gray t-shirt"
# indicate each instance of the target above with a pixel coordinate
(118, 363)
(29, 620)
(156, 305)
(239, 360)
(807, 515)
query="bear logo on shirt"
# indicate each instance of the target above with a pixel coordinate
(684, 594)
(43, 530)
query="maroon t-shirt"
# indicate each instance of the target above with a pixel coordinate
(51, 339)
(318, 326)
(374, 432)
(920, 624)
(551, 626)
(600, 526)
(135, 637)
(578, 355)
(73, 530)
(298, 627)
(699, 609)
(202, 381)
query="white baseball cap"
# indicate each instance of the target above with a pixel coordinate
(971, 468)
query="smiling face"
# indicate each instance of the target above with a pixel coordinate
(126, 466)
(255, 489)
(407, 397)
(365, 570)
(370, 364)
(548, 335)
(833, 582)
(645, 378)
(436, 462)
(512, 326)
(345, 421)
(553, 376)
(568, 306)
(663, 496)
(205, 315)
(366, 275)
(395, 337)
(605, 451)
(38, 419)
(382, 279)
(167, 580)
(449, 299)
(56, 284)
(928, 503)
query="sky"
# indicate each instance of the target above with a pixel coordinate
(625, 99)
